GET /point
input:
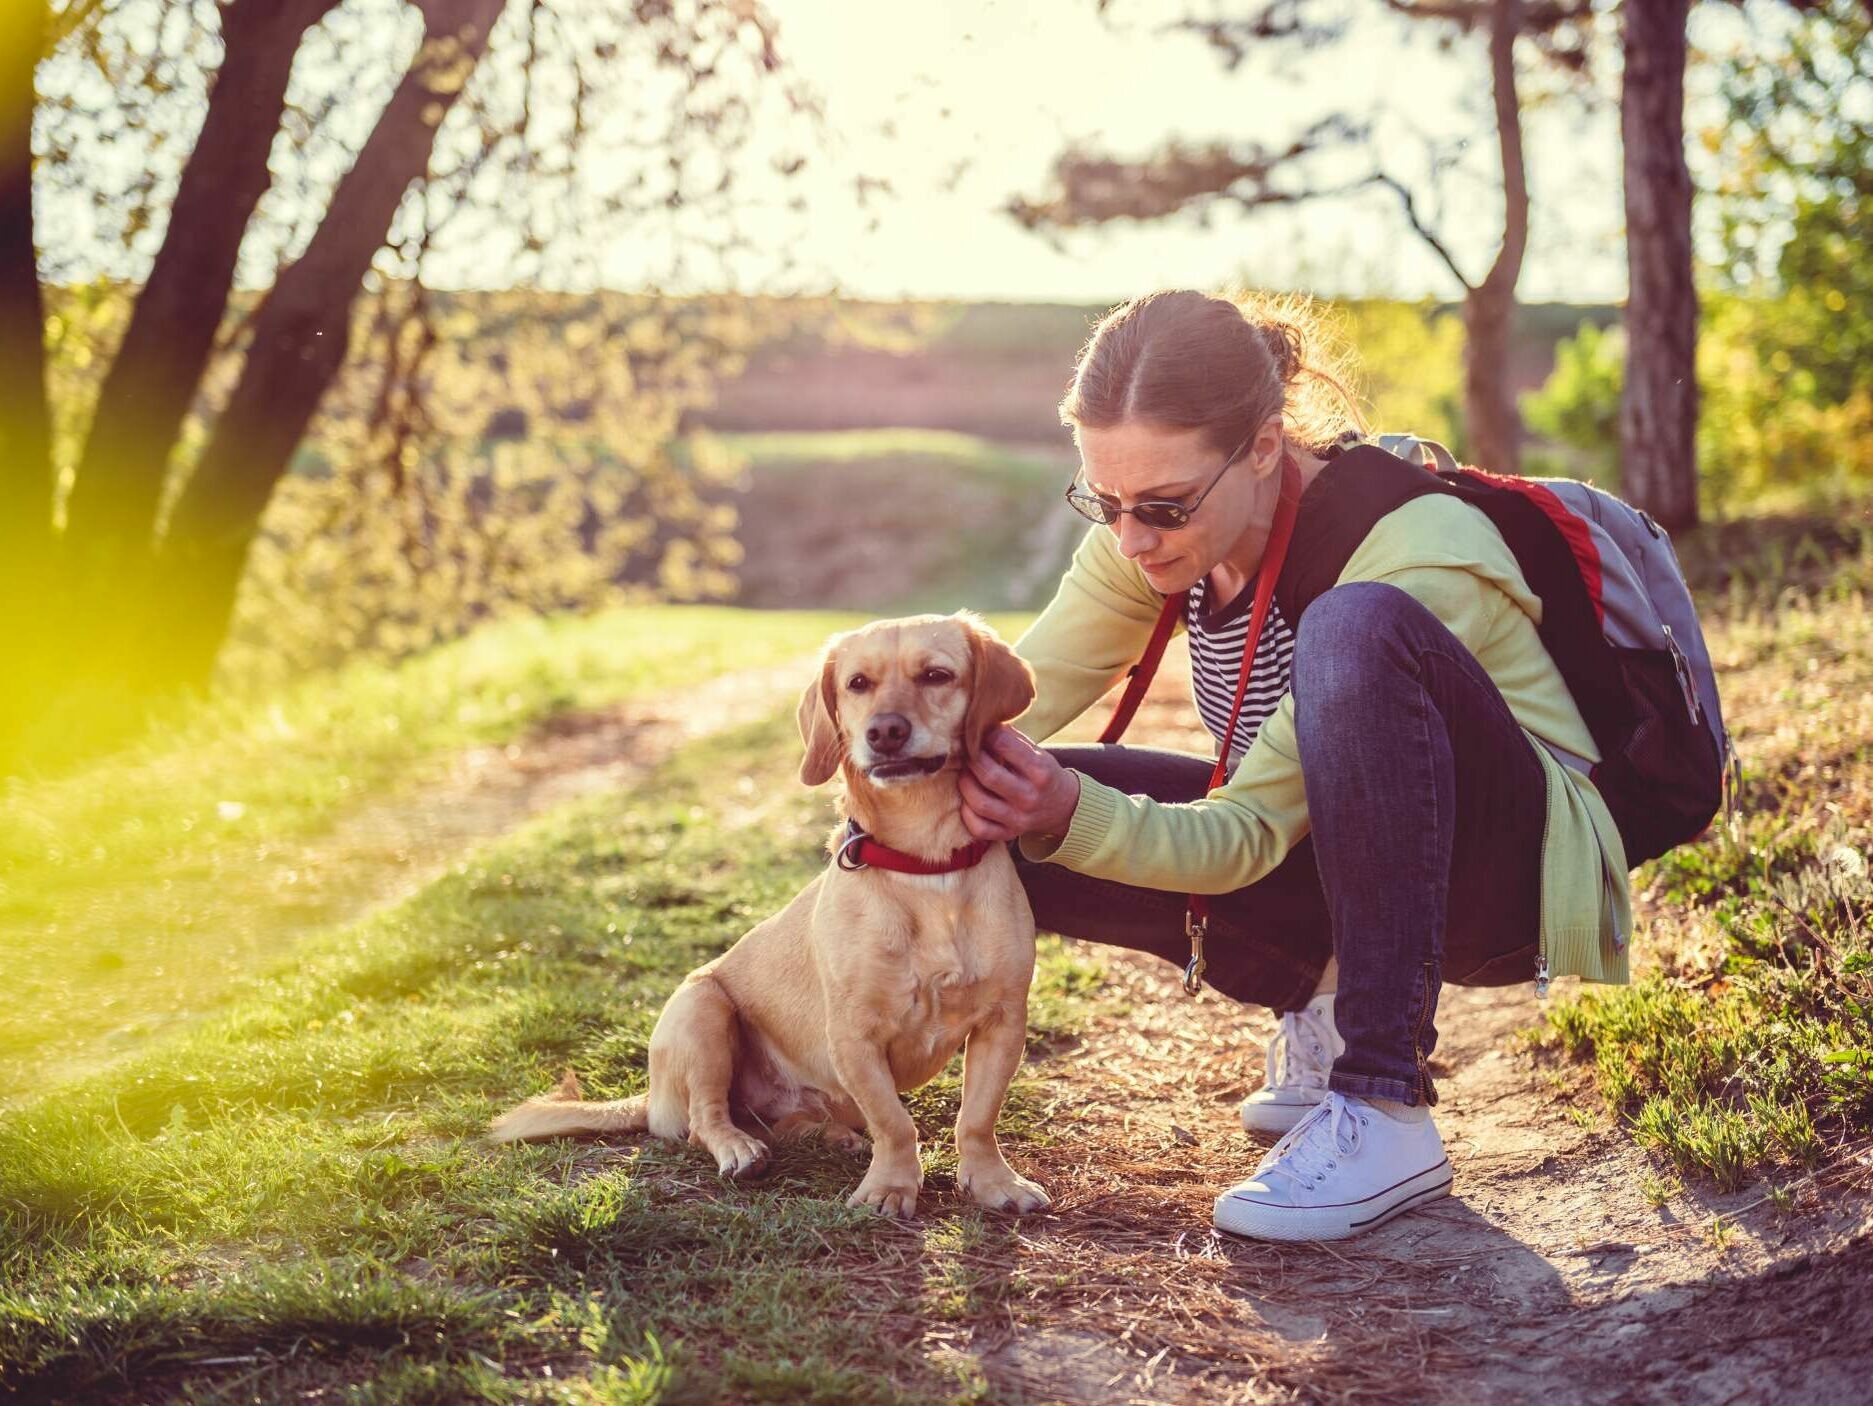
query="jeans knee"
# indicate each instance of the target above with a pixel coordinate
(1350, 634)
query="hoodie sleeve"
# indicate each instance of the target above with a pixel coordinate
(1095, 627)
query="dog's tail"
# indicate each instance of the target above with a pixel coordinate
(563, 1114)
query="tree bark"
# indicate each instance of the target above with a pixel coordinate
(25, 435)
(1493, 423)
(155, 375)
(25, 420)
(1658, 404)
(300, 339)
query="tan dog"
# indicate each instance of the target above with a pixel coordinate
(869, 980)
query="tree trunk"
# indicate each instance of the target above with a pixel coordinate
(25, 435)
(300, 339)
(1493, 423)
(158, 368)
(25, 439)
(1658, 406)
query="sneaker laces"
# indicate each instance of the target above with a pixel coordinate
(1315, 1145)
(1300, 1051)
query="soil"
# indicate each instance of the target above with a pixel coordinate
(1548, 1274)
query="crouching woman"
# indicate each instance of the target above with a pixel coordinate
(1405, 800)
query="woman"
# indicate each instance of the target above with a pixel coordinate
(1396, 815)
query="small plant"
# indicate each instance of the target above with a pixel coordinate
(1659, 1190)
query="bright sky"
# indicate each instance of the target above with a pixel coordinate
(962, 104)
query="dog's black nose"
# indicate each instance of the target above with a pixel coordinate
(887, 732)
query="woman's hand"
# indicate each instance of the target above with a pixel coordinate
(1013, 788)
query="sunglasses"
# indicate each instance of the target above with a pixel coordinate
(1159, 514)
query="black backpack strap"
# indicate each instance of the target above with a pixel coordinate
(1338, 511)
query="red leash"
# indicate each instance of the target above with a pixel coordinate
(1197, 913)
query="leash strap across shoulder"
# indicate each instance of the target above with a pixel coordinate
(1281, 532)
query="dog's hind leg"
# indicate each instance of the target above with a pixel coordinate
(797, 1127)
(692, 1068)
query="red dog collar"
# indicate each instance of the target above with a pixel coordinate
(859, 850)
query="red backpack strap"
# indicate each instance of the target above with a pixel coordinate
(1138, 678)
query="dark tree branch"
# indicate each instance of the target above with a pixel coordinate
(302, 333)
(1424, 231)
(153, 379)
(1506, 25)
(1094, 189)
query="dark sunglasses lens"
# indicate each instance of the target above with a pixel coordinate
(1090, 506)
(1163, 517)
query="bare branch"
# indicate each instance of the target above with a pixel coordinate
(1423, 230)
(1093, 188)
(1277, 21)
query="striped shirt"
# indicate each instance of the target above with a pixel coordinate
(1216, 642)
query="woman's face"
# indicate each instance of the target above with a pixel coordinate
(1135, 461)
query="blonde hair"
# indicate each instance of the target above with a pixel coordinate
(1219, 363)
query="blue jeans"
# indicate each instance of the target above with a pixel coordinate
(1427, 805)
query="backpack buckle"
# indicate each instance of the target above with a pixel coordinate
(1682, 667)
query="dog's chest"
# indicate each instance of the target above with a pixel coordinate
(946, 994)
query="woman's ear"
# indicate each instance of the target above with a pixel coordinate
(819, 727)
(1269, 448)
(1001, 685)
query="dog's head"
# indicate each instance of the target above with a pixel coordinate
(901, 700)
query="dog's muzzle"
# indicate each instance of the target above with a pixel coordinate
(906, 768)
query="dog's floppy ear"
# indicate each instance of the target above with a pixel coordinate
(1001, 683)
(819, 726)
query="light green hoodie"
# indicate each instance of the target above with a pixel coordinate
(1437, 549)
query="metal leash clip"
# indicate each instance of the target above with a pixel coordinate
(1195, 927)
(843, 855)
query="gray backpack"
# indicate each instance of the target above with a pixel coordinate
(1618, 619)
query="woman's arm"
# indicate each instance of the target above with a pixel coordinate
(1232, 837)
(1093, 629)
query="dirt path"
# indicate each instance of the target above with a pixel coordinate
(1548, 1274)
(394, 844)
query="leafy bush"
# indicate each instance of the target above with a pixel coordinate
(1762, 426)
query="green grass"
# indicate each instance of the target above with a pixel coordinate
(295, 1198)
(139, 887)
(1747, 1044)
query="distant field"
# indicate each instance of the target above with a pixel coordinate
(901, 520)
(999, 369)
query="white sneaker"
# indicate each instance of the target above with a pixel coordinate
(1300, 1057)
(1344, 1168)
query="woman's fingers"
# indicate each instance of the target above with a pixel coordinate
(1034, 765)
(986, 816)
(999, 779)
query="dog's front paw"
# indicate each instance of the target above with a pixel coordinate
(1002, 1188)
(739, 1155)
(887, 1191)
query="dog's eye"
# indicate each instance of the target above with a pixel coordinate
(934, 676)
(858, 683)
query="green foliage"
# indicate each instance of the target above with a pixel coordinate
(1761, 430)
(1796, 193)
(1749, 1046)
(1410, 368)
(218, 828)
(1578, 407)
(294, 1197)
